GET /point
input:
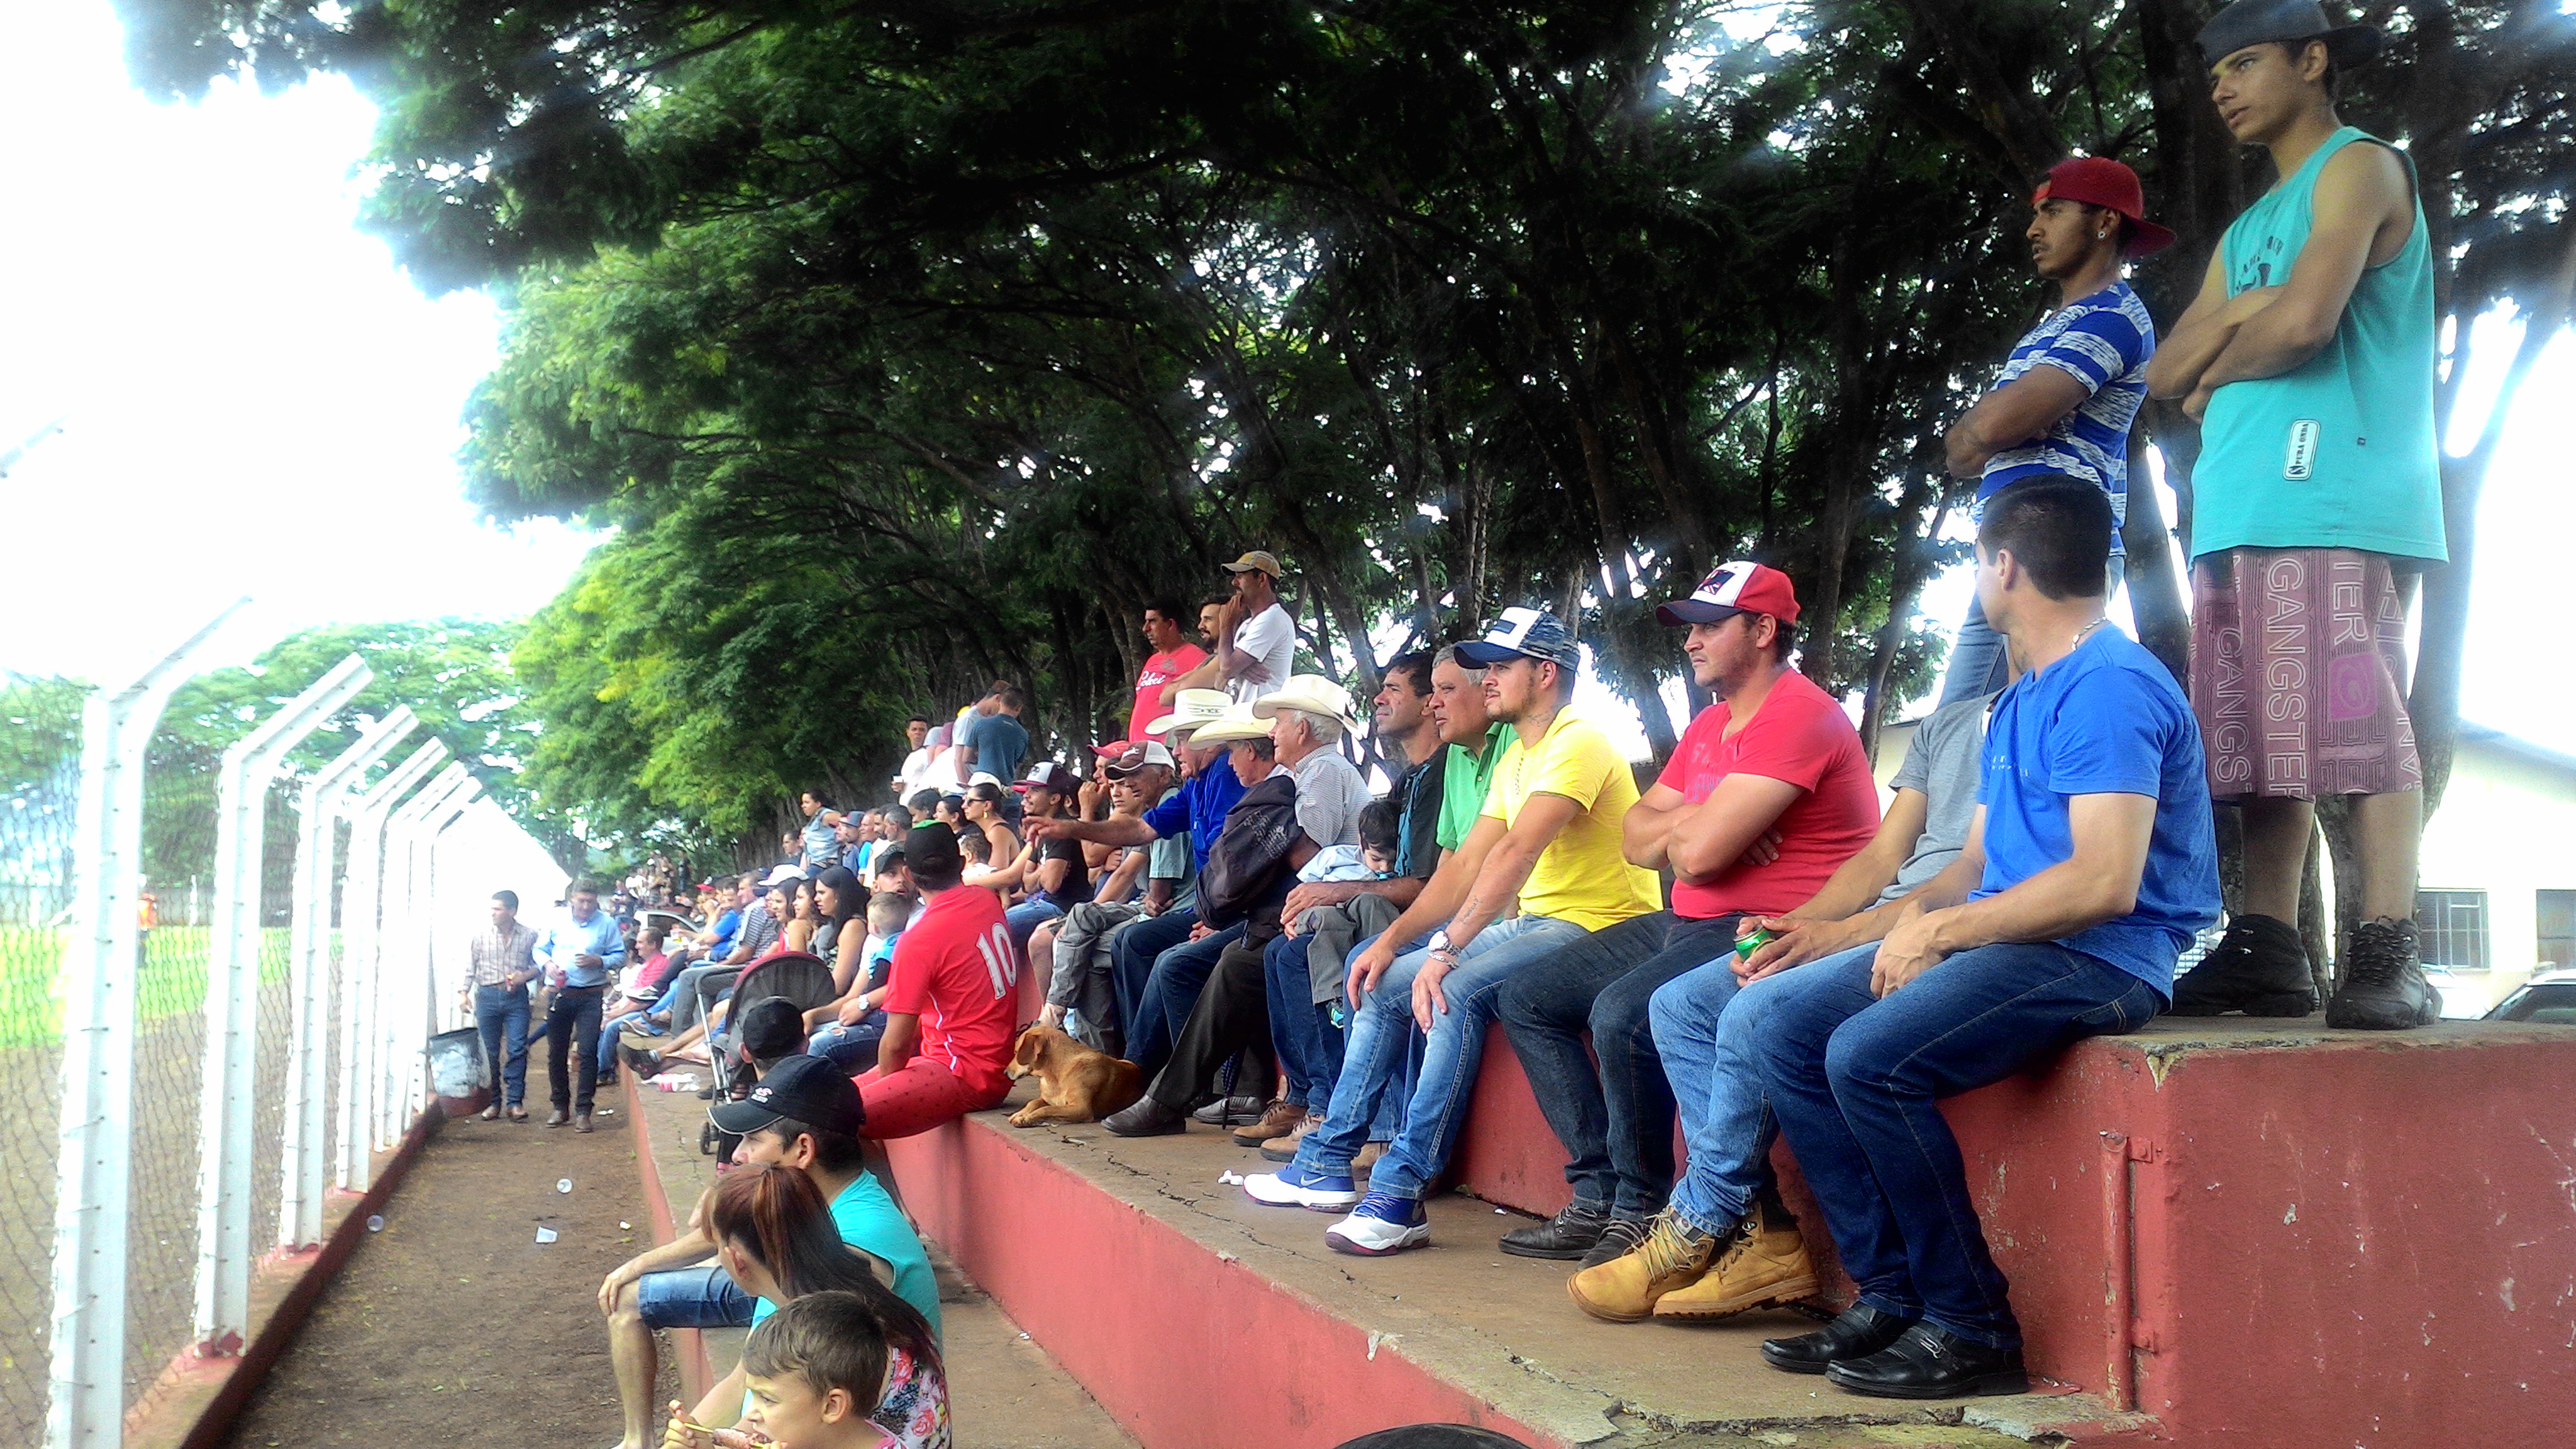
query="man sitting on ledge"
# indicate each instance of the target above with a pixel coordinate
(2098, 867)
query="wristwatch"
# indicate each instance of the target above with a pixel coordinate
(1439, 945)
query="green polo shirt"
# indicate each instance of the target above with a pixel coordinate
(1464, 783)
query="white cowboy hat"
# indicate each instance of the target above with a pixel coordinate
(1238, 723)
(1311, 693)
(1190, 709)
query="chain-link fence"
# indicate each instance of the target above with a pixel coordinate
(40, 744)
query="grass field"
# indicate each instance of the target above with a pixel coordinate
(173, 982)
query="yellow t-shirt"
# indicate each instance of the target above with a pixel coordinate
(1582, 876)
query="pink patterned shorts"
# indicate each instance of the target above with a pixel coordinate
(2298, 663)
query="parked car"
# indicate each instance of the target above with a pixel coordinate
(2547, 999)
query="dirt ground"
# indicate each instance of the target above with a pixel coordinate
(454, 1326)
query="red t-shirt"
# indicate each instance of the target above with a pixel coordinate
(956, 969)
(1160, 670)
(1802, 736)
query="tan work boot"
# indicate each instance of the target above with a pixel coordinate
(1624, 1290)
(1277, 1120)
(1368, 1155)
(1284, 1149)
(1766, 1264)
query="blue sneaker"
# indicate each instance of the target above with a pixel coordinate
(1383, 1223)
(1294, 1186)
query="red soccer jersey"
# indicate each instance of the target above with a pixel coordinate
(1801, 736)
(956, 969)
(1160, 670)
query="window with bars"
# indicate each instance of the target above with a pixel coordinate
(2451, 929)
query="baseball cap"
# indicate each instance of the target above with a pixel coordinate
(1731, 589)
(1524, 634)
(1048, 775)
(781, 875)
(931, 848)
(800, 1088)
(771, 1029)
(2101, 181)
(1259, 560)
(1151, 752)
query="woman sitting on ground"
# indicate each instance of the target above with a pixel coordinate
(774, 1235)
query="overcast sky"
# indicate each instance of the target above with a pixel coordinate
(258, 402)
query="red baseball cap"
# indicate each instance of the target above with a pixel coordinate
(1731, 589)
(2101, 181)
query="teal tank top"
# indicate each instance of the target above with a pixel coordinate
(2339, 452)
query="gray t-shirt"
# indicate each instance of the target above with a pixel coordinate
(1169, 857)
(1330, 797)
(1941, 761)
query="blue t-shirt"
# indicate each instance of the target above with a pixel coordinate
(2105, 720)
(822, 847)
(2102, 341)
(726, 925)
(1199, 807)
(870, 1222)
(1000, 744)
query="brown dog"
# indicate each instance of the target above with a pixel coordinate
(1075, 1083)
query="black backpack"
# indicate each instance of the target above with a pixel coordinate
(1250, 857)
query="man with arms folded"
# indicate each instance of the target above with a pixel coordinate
(1767, 795)
(2094, 867)
(2310, 358)
(2074, 382)
(1548, 840)
(1762, 1260)
(1254, 644)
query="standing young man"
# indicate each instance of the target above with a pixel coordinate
(2093, 867)
(1548, 843)
(1174, 656)
(2309, 357)
(502, 964)
(1255, 644)
(995, 741)
(577, 955)
(1767, 795)
(2073, 384)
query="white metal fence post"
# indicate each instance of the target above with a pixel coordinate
(304, 1165)
(360, 900)
(85, 1406)
(231, 1061)
(397, 947)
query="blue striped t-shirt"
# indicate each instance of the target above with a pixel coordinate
(2102, 341)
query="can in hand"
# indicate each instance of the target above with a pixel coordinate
(1762, 936)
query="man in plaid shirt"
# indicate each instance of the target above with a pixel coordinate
(504, 962)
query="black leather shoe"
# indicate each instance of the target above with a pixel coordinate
(2259, 968)
(2383, 986)
(1860, 1332)
(581, 1122)
(1569, 1235)
(1926, 1363)
(1148, 1118)
(558, 1117)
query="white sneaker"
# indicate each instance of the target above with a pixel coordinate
(1382, 1224)
(1293, 1186)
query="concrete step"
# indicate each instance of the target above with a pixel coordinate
(2213, 1229)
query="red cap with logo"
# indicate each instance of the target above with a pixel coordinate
(2101, 181)
(1731, 589)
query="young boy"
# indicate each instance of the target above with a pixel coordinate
(820, 1374)
(846, 1032)
(1372, 859)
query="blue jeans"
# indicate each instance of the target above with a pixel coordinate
(852, 1048)
(1716, 1074)
(1617, 1125)
(1027, 916)
(1171, 993)
(1132, 954)
(1854, 1079)
(692, 1298)
(502, 1017)
(1311, 1047)
(1451, 1052)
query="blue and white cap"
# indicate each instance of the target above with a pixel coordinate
(1524, 634)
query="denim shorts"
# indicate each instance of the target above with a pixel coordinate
(692, 1298)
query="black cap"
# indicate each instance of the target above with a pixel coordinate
(771, 1029)
(931, 850)
(801, 1089)
(2256, 22)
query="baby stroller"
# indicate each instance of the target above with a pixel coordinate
(802, 977)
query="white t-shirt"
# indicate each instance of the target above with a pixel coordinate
(916, 772)
(1269, 637)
